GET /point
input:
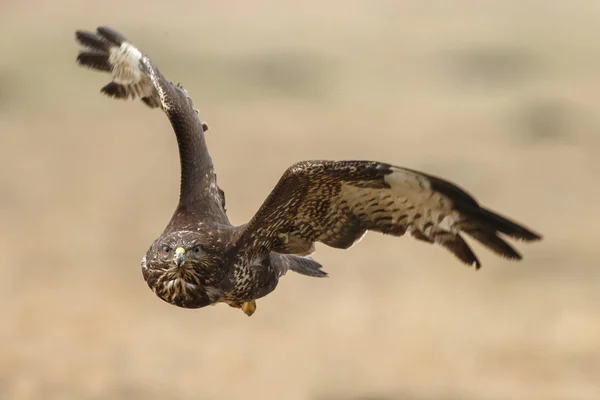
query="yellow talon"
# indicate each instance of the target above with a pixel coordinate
(249, 307)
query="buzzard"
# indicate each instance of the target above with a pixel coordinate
(201, 259)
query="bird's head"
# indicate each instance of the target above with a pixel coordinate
(182, 271)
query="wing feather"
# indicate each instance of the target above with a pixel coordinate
(337, 202)
(109, 51)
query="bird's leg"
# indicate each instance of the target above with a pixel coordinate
(249, 307)
(234, 304)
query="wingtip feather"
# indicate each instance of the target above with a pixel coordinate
(94, 60)
(115, 90)
(112, 35)
(457, 245)
(92, 41)
(508, 227)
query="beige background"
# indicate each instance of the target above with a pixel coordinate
(501, 97)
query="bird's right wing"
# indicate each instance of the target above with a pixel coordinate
(134, 76)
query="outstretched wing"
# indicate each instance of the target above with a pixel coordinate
(336, 203)
(134, 76)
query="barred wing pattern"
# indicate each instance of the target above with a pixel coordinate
(337, 202)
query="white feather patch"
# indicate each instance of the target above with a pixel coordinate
(416, 189)
(448, 224)
(403, 182)
(126, 64)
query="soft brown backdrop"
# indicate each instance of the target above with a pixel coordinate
(501, 97)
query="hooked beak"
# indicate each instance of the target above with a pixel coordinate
(179, 256)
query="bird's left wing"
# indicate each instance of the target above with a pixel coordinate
(134, 76)
(337, 202)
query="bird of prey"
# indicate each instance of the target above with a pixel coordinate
(201, 259)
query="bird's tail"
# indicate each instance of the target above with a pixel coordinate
(302, 265)
(107, 50)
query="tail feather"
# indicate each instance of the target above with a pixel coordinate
(307, 266)
(302, 265)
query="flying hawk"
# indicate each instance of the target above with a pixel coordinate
(201, 259)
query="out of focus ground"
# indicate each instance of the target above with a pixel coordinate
(500, 97)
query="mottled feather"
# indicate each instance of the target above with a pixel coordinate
(337, 202)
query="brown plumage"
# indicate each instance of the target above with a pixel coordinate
(201, 259)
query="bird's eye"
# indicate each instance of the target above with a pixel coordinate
(197, 249)
(166, 249)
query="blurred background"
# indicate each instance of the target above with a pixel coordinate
(500, 97)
